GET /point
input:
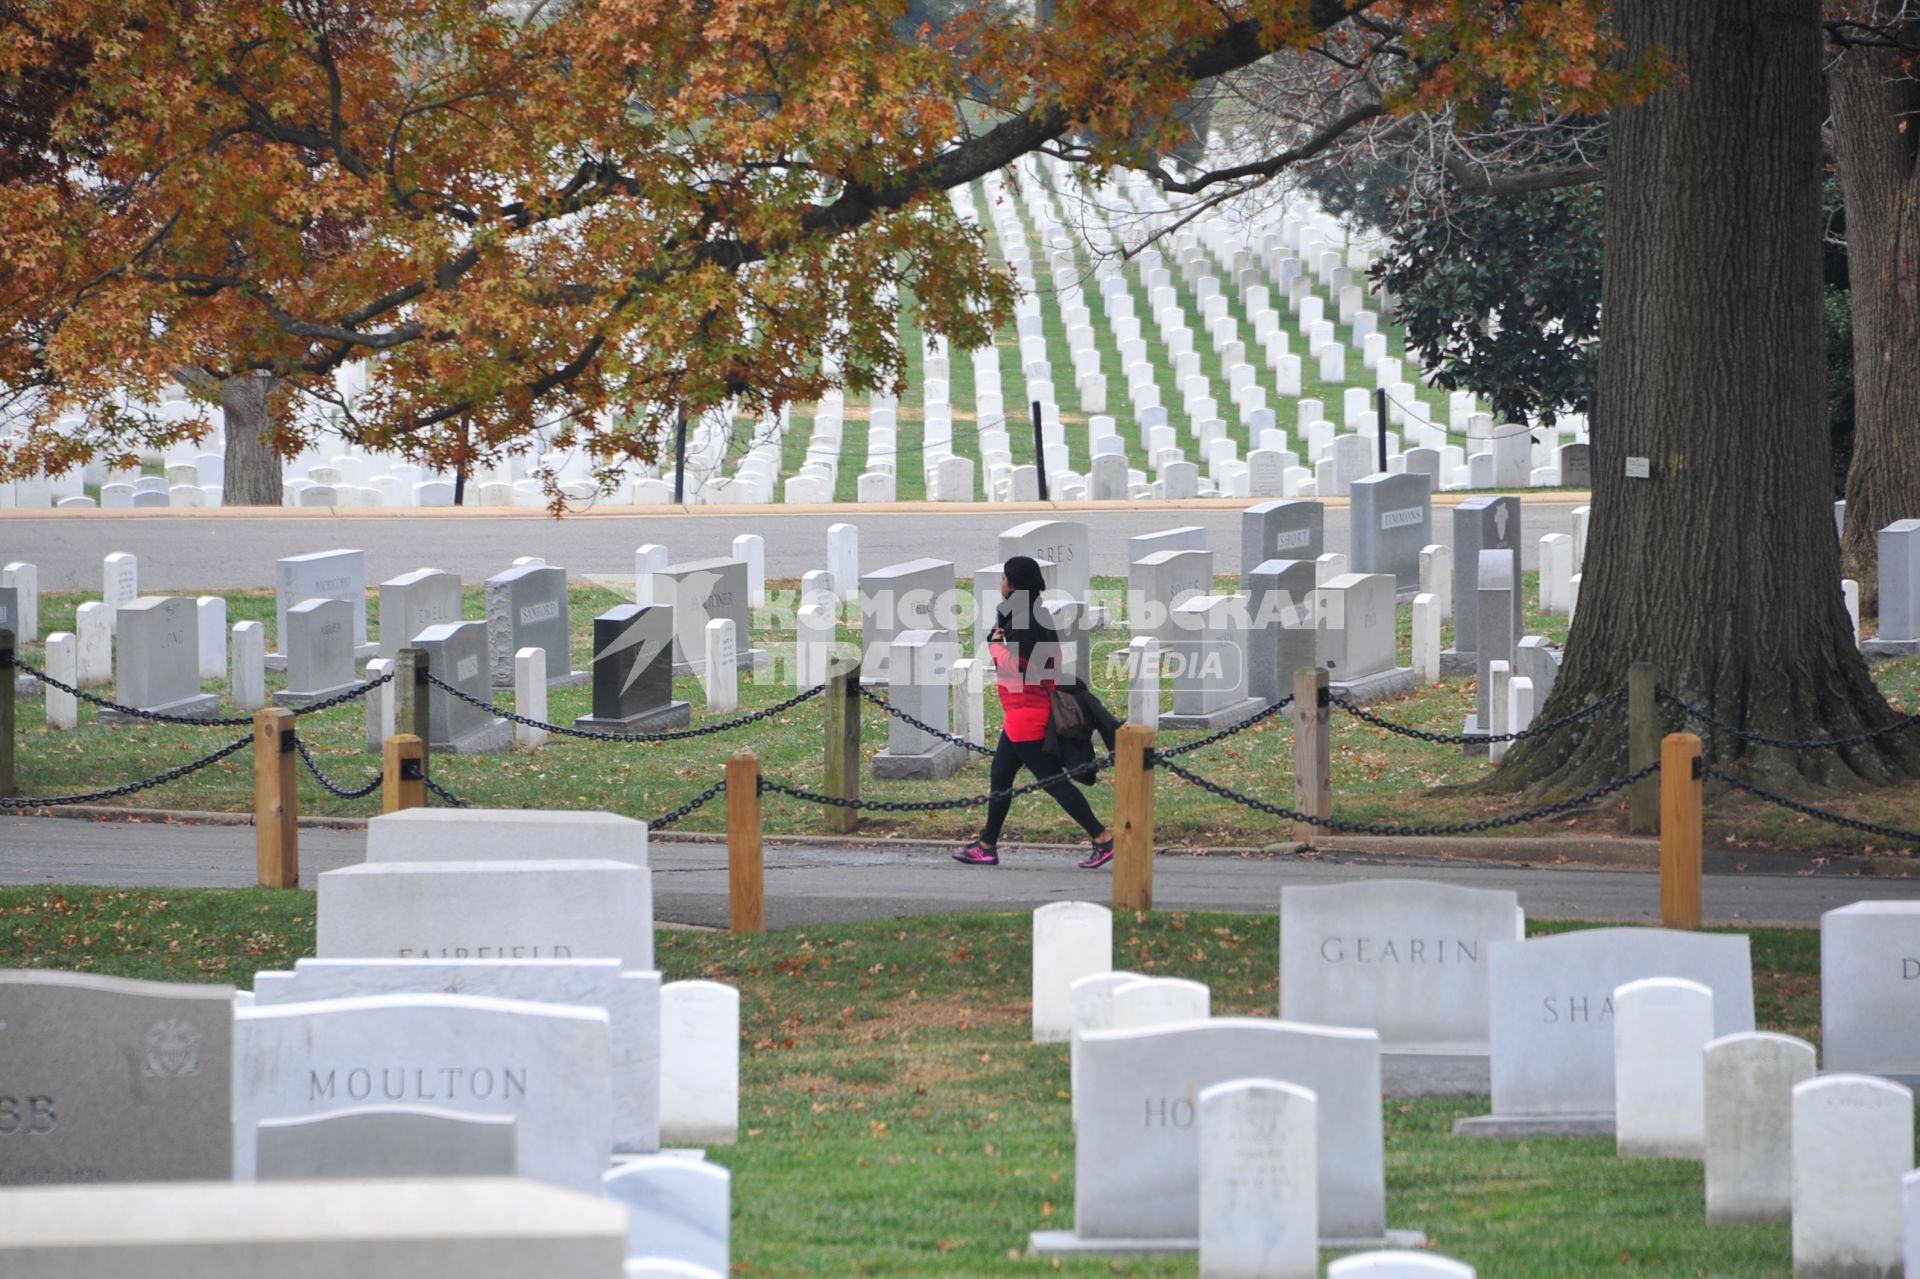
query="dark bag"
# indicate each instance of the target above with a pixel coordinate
(1067, 719)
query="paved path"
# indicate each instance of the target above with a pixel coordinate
(222, 552)
(808, 884)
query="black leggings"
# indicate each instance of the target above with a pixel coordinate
(1008, 757)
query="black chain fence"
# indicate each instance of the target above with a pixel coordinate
(931, 805)
(1700, 716)
(237, 745)
(670, 735)
(196, 721)
(1238, 726)
(1909, 837)
(446, 797)
(1477, 739)
(921, 724)
(333, 787)
(693, 805)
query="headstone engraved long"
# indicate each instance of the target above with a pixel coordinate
(682, 1209)
(1552, 1019)
(1285, 530)
(527, 608)
(1071, 941)
(1282, 636)
(414, 601)
(111, 1080)
(1392, 519)
(1479, 524)
(1208, 656)
(324, 575)
(1899, 549)
(919, 675)
(1407, 958)
(457, 655)
(477, 1228)
(1852, 1145)
(319, 653)
(547, 1065)
(1136, 1158)
(1259, 1205)
(1661, 1028)
(1749, 1081)
(633, 672)
(1358, 640)
(558, 909)
(631, 1000)
(156, 660)
(1870, 989)
(698, 592)
(386, 1142)
(699, 1063)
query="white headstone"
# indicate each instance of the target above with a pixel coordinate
(1259, 1198)
(699, 1063)
(1870, 988)
(1661, 1027)
(682, 1209)
(1749, 1081)
(1852, 1145)
(1071, 940)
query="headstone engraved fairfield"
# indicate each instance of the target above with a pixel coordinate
(1259, 1207)
(1479, 524)
(698, 592)
(1749, 1081)
(1284, 530)
(547, 1065)
(1071, 940)
(527, 608)
(1392, 1263)
(1407, 958)
(319, 654)
(457, 655)
(335, 575)
(633, 672)
(1552, 1019)
(156, 660)
(386, 1142)
(103, 1079)
(414, 601)
(1870, 989)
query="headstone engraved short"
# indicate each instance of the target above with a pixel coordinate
(1358, 640)
(1208, 661)
(527, 608)
(457, 655)
(1391, 521)
(917, 595)
(699, 1063)
(1899, 549)
(1071, 940)
(1259, 1205)
(156, 660)
(1282, 636)
(414, 601)
(111, 1080)
(333, 575)
(1479, 524)
(1284, 530)
(698, 592)
(1407, 958)
(631, 1000)
(477, 1228)
(1749, 1081)
(559, 909)
(633, 672)
(386, 1142)
(319, 652)
(547, 1065)
(1136, 1157)
(682, 1209)
(1870, 989)
(919, 676)
(1661, 1028)
(1552, 1019)
(504, 835)
(1852, 1146)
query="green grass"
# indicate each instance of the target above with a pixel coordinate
(896, 1120)
(1376, 776)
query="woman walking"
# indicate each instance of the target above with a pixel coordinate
(1026, 661)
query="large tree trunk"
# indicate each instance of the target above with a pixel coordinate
(1722, 567)
(1876, 137)
(253, 471)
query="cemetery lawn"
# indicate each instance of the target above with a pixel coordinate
(896, 1120)
(1377, 776)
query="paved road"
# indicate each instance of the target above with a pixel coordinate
(223, 552)
(815, 884)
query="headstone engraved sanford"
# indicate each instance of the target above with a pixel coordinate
(1407, 958)
(527, 608)
(103, 1079)
(157, 660)
(547, 1065)
(457, 655)
(633, 672)
(386, 1142)
(336, 575)
(414, 601)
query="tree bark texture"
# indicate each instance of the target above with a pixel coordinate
(1876, 135)
(1721, 567)
(253, 471)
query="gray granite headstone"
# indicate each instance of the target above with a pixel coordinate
(110, 1080)
(1062, 543)
(1283, 636)
(1284, 530)
(414, 601)
(1188, 537)
(698, 592)
(1391, 522)
(324, 575)
(1535, 659)
(919, 681)
(633, 672)
(1576, 465)
(1899, 546)
(457, 654)
(156, 659)
(1160, 582)
(1499, 635)
(1481, 524)
(319, 647)
(527, 608)
(917, 595)
(385, 1141)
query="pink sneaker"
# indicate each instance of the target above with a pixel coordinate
(977, 854)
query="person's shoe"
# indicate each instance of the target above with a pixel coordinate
(977, 854)
(1102, 854)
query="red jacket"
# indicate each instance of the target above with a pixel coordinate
(1026, 703)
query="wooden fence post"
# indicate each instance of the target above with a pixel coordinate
(7, 677)
(410, 706)
(1680, 835)
(1643, 747)
(842, 719)
(1133, 818)
(746, 898)
(1312, 750)
(403, 774)
(276, 805)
